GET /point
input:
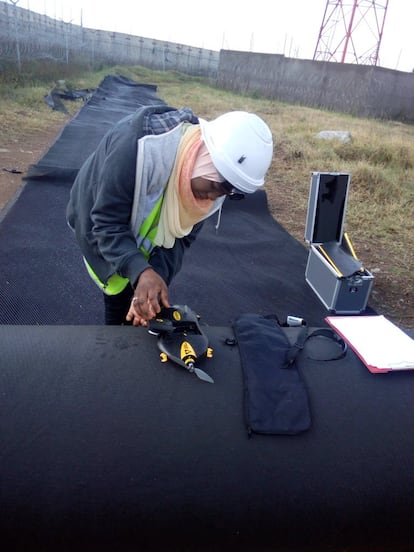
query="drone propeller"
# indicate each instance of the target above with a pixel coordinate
(200, 374)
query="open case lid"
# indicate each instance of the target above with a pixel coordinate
(326, 207)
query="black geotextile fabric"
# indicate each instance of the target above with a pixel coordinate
(249, 264)
(104, 447)
(114, 98)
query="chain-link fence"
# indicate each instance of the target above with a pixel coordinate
(28, 36)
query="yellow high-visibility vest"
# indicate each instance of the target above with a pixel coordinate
(147, 233)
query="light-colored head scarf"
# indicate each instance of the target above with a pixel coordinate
(204, 167)
(180, 210)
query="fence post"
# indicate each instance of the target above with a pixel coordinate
(16, 34)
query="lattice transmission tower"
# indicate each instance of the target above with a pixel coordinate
(351, 31)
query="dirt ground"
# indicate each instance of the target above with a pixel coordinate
(15, 158)
(393, 299)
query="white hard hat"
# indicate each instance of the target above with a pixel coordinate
(241, 147)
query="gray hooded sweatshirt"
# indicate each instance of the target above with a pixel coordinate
(116, 189)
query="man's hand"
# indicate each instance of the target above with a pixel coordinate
(151, 293)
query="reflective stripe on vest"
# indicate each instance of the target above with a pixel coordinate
(145, 243)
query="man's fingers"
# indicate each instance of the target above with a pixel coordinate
(153, 306)
(135, 318)
(139, 305)
(151, 293)
(139, 312)
(164, 298)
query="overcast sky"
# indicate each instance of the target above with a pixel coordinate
(289, 27)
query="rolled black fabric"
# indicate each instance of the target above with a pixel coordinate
(275, 397)
(103, 447)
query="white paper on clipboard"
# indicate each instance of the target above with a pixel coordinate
(379, 343)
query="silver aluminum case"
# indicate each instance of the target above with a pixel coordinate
(346, 295)
(340, 295)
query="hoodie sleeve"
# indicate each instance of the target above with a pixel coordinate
(114, 174)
